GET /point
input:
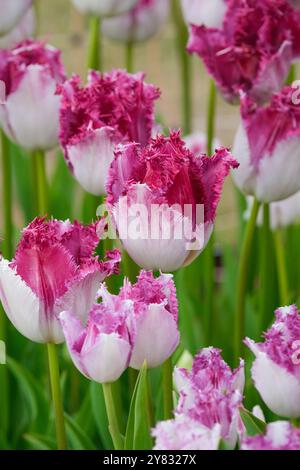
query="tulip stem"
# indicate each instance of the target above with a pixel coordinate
(41, 184)
(211, 117)
(57, 399)
(281, 268)
(94, 47)
(242, 278)
(112, 417)
(129, 56)
(266, 238)
(167, 370)
(185, 66)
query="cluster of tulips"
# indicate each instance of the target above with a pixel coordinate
(115, 303)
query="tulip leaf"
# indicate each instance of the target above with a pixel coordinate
(77, 438)
(252, 424)
(39, 442)
(138, 427)
(100, 416)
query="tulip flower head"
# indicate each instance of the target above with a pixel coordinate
(276, 368)
(197, 143)
(113, 108)
(140, 23)
(53, 269)
(104, 8)
(163, 200)
(185, 433)
(12, 12)
(200, 12)
(30, 115)
(253, 50)
(267, 146)
(211, 393)
(24, 29)
(280, 435)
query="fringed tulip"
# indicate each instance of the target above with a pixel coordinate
(280, 435)
(23, 30)
(202, 12)
(211, 393)
(12, 12)
(104, 8)
(53, 270)
(197, 143)
(267, 146)
(282, 213)
(163, 200)
(30, 115)
(113, 108)
(140, 23)
(276, 368)
(253, 50)
(185, 433)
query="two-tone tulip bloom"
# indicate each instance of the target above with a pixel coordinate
(113, 108)
(254, 48)
(139, 324)
(276, 368)
(12, 12)
(197, 143)
(282, 213)
(53, 269)
(30, 115)
(163, 200)
(280, 435)
(211, 393)
(140, 23)
(104, 8)
(185, 433)
(200, 12)
(24, 29)
(267, 146)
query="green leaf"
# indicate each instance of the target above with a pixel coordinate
(138, 427)
(77, 438)
(100, 416)
(252, 424)
(21, 164)
(39, 442)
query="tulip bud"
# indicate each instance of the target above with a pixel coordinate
(200, 12)
(253, 49)
(104, 8)
(163, 200)
(197, 143)
(211, 393)
(282, 213)
(185, 433)
(270, 164)
(280, 435)
(30, 115)
(113, 108)
(140, 23)
(54, 269)
(24, 29)
(276, 368)
(11, 13)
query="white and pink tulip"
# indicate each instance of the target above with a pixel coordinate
(104, 8)
(280, 435)
(12, 12)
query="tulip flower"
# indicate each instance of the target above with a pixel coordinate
(30, 115)
(24, 29)
(197, 143)
(253, 50)
(282, 213)
(280, 435)
(155, 318)
(200, 12)
(53, 270)
(276, 368)
(104, 8)
(163, 200)
(140, 23)
(185, 433)
(211, 393)
(113, 108)
(11, 13)
(267, 146)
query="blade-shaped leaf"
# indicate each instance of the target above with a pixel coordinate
(252, 424)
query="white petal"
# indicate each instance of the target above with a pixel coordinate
(104, 7)
(11, 12)
(209, 13)
(244, 176)
(23, 30)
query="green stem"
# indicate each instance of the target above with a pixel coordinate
(41, 185)
(211, 115)
(264, 266)
(185, 66)
(242, 278)
(56, 395)
(94, 47)
(167, 370)
(281, 267)
(292, 75)
(129, 56)
(112, 417)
